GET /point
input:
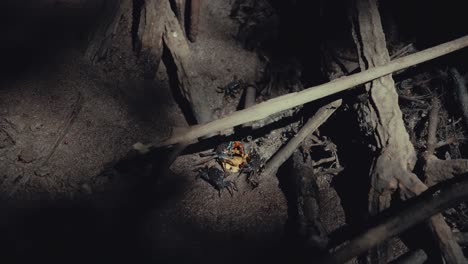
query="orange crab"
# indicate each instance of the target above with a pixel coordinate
(236, 157)
(230, 155)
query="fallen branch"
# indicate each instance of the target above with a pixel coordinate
(416, 211)
(291, 100)
(312, 124)
(448, 246)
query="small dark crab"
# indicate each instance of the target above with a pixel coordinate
(233, 88)
(252, 168)
(215, 177)
(253, 164)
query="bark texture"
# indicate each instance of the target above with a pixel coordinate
(150, 31)
(381, 120)
(101, 39)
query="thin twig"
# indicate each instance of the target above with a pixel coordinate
(65, 128)
(411, 98)
(403, 51)
(325, 160)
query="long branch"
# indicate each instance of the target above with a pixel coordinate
(314, 122)
(291, 100)
(418, 210)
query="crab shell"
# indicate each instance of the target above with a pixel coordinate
(233, 164)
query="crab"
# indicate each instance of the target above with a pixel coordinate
(252, 164)
(215, 177)
(233, 157)
(230, 155)
(233, 88)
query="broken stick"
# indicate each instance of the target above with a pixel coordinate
(312, 124)
(291, 100)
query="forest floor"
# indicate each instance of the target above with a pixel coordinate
(63, 196)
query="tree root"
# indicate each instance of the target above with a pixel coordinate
(381, 118)
(310, 228)
(101, 39)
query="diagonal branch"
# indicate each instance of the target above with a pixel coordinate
(312, 124)
(288, 101)
(417, 210)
